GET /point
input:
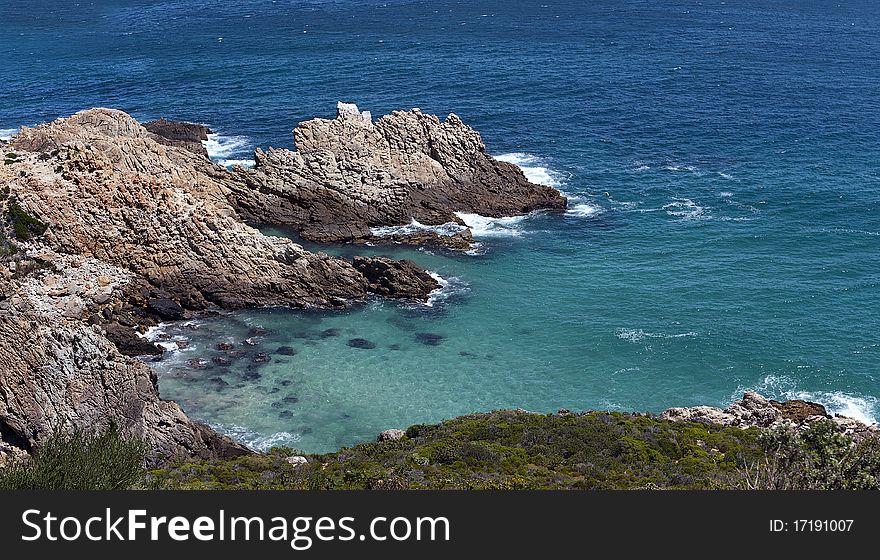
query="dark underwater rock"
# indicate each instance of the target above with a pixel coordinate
(361, 343)
(429, 339)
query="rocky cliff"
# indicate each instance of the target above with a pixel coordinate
(350, 174)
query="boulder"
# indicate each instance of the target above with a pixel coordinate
(166, 309)
(397, 279)
(391, 435)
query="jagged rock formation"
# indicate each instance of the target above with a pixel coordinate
(59, 372)
(180, 134)
(402, 279)
(111, 192)
(753, 410)
(350, 174)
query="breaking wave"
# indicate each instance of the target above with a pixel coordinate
(7, 133)
(861, 407)
(482, 226)
(534, 168)
(224, 147)
(255, 440)
(445, 230)
(449, 287)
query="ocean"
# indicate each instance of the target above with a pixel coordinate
(722, 161)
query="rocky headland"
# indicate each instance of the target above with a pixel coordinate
(351, 175)
(109, 227)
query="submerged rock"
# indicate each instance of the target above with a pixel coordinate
(286, 350)
(261, 358)
(429, 339)
(327, 333)
(361, 343)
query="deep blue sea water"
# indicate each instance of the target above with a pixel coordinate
(723, 160)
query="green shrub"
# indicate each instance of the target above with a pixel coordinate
(80, 461)
(24, 224)
(818, 458)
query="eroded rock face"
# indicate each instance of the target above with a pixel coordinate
(59, 373)
(110, 192)
(350, 174)
(181, 134)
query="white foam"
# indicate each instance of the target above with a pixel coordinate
(482, 226)
(241, 162)
(7, 133)
(255, 440)
(639, 335)
(725, 194)
(155, 335)
(582, 210)
(445, 230)
(448, 288)
(861, 407)
(533, 168)
(219, 146)
(686, 209)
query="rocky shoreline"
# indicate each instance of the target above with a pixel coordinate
(109, 227)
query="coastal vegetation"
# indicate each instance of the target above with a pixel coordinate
(500, 450)
(80, 460)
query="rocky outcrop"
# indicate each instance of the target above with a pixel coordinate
(351, 174)
(110, 192)
(181, 134)
(753, 410)
(393, 434)
(397, 279)
(59, 373)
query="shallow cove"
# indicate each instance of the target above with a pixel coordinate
(553, 310)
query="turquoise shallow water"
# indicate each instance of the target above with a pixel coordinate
(722, 160)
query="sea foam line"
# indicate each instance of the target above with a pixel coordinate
(444, 230)
(639, 335)
(537, 171)
(534, 168)
(255, 440)
(483, 226)
(8, 133)
(449, 287)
